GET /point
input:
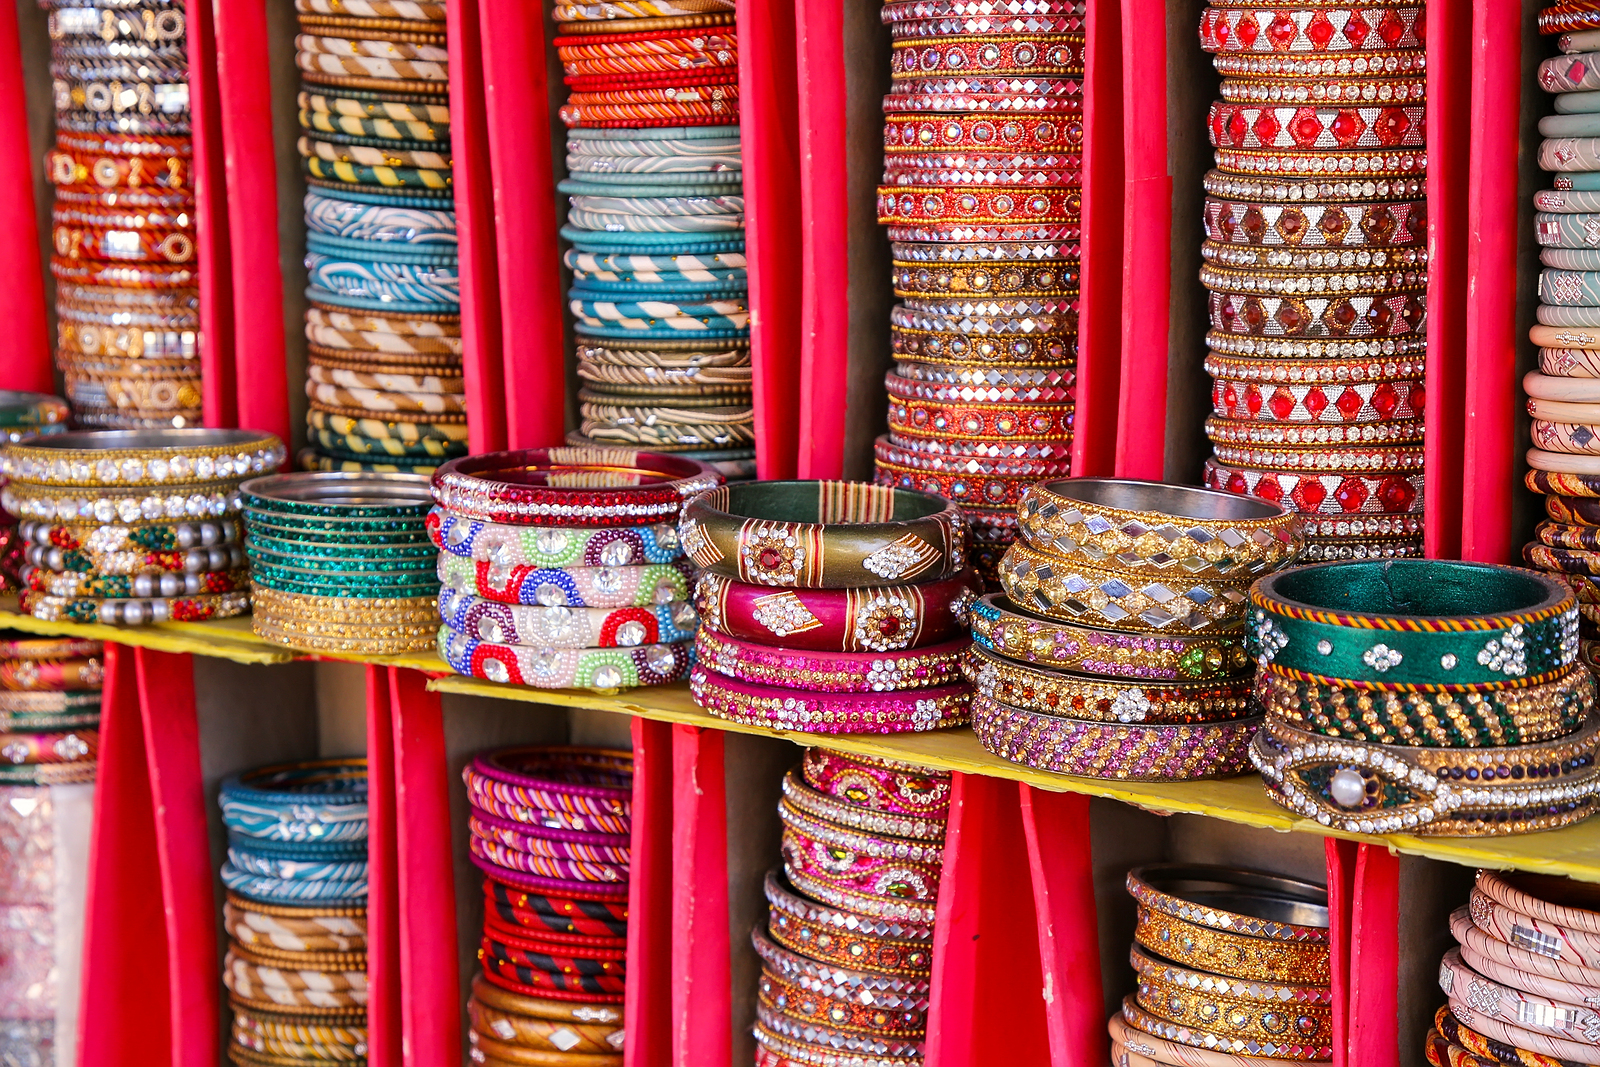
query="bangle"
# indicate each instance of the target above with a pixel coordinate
(122, 612)
(165, 169)
(863, 845)
(1562, 560)
(49, 709)
(555, 918)
(122, 587)
(805, 1004)
(147, 25)
(1357, 787)
(380, 378)
(1312, 127)
(516, 486)
(880, 889)
(1009, 458)
(279, 891)
(1074, 591)
(577, 845)
(1281, 909)
(1249, 1039)
(1296, 1032)
(191, 561)
(978, 132)
(1136, 1048)
(909, 459)
(983, 234)
(564, 668)
(51, 675)
(1224, 29)
(49, 648)
(509, 859)
(851, 534)
(820, 805)
(248, 928)
(381, 639)
(1019, 280)
(1535, 1012)
(1212, 950)
(887, 944)
(372, 72)
(294, 870)
(379, 128)
(1323, 494)
(171, 246)
(1354, 402)
(566, 627)
(74, 335)
(322, 800)
(543, 1034)
(1496, 1041)
(591, 782)
(929, 250)
(1224, 279)
(169, 457)
(1499, 717)
(393, 45)
(1569, 362)
(1346, 460)
(839, 672)
(1483, 949)
(1522, 626)
(790, 709)
(877, 783)
(774, 1049)
(1299, 64)
(1309, 435)
(1322, 89)
(53, 747)
(553, 984)
(1568, 535)
(493, 993)
(1140, 526)
(1112, 750)
(1292, 164)
(644, 585)
(833, 982)
(995, 490)
(924, 97)
(1012, 421)
(1499, 907)
(999, 627)
(1229, 186)
(910, 205)
(1262, 349)
(1320, 317)
(988, 25)
(1314, 259)
(1312, 1003)
(1028, 57)
(379, 337)
(300, 1038)
(1092, 699)
(915, 344)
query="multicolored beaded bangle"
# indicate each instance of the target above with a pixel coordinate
(794, 709)
(1073, 591)
(548, 485)
(872, 619)
(564, 668)
(543, 841)
(1366, 401)
(594, 587)
(1363, 788)
(1113, 750)
(991, 490)
(841, 672)
(567, 627)
(553, 546)
(120, 612)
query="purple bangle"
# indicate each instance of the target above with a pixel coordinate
(842, 713)
(489, 796)
(554, 887)
(525, 488)
(540, 841)
(546, 866)
(594, 781)
(832, 672)
(1113, 750)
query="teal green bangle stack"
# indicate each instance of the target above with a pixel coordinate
(1424, 697)
(341, 562)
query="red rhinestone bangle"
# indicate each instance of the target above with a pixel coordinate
(914, 204)
(1371, 225)
(987, 489)
(923, 418)
(986, 26)
(1284, 65)
(901, 456)
(546, 485)
(124, 246)
(1054, 56)
(1322, 494)
(1286, 402)
(1312, 30)
(1318, 317)
(1306, 128)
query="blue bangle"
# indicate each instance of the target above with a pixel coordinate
(443, 252)
(318, 294)
(364, 195)
(652, 189)
(290, 869)
(579, 587)
(270, 890)
(325, 800)
(617, 243)
(1584, 181)
(326, 851)
(1566, 103)
(697, 332)
(332, 217)
(672, 287)
(621, 310)
(683, 227)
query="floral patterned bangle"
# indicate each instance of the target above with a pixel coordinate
(553, 546)
(878, 887)
(563, 626)
(820, 805)
(842, 672)
(564, 668)
(593, 587)
(793, 709)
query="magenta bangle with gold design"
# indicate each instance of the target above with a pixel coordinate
(823, 535)
(878, 783)
(882, 618)
(821, 805)
(831, 672)
(881, 887)
(791, 709)
(1127, 751)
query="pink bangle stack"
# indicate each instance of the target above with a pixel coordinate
(813, 647)
(549, 827)
(1523, 980)
(561, 568)
(847, 950)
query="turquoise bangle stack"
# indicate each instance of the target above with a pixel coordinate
(1424, 697)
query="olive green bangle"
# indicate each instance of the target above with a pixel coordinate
(1433, 625)
(823, 535)
(1514, 716)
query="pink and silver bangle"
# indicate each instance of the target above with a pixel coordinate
(1128, 752)
(558, 778)
(1517, 892)
(864, 846)
(868, 820)
(884, 618)
(835, 672)
(542, 841)
(571, 486)
(845, 713)
(778, 1048)
(546, 866)
(878, 784)
(560, 626)
(564, 668)
(1478, 946)
(850, 1042)
(1519, 1037)
(553, 546)
(1544, 938)
(581, 587)
(848, 879)
(826, 979)
(799, 921)
(1557, 1005)
(565, 888)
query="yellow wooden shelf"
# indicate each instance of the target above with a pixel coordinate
(1574, 852)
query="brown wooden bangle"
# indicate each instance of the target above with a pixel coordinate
(487, 993)
(489, 1052)
(542, 1034)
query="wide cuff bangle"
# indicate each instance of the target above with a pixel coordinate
(1430, 625)
(842, 672)
(1113, 750)
(1090, 699)
(553, 546)
(823, 534)
(1000, 628)
(571, 486)
(796, 709)
(564, 668)
(560, 626)
(591, 587)
(877, 783)
(1096, 596)
(883, 618)
(1363, 788)
(1158, 529)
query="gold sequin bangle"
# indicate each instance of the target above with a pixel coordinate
(1216, 951)
(1158, 529)
(1050, 692)
(1235, 1025)
(391, 642)
(1200, 1035)
(354, 611)
(1077, 592)
(1319, 998)
(1271, 906)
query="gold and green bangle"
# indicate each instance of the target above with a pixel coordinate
(1513, 716)
(1415, 624)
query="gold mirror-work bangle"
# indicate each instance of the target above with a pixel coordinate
(1158, 529)
(847, 1014)
(1284, 1032)
(1237, 956)
(1000, 627)
(1437, 720)
(1318, 998)
(1246, 1038)
(849, 947)
(1076, 592)
(1050, 692)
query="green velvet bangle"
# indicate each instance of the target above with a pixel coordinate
(1414, 624)
(823, 535)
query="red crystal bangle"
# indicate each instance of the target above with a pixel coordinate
(1288, 164)
(902, 205)
(1329, 371)
(1021, 460)
(1385, 224)
(885, 618)
(1306, 128)
(1224, 29)
(981, 133)
(945, 347)
(923, 418)
(1309, 434)
(914, 99)
(1321, 458)
(1323, 317)
(1289, 402)
(915, 10)
(547, 486)
(1325, 494)
(987, 25)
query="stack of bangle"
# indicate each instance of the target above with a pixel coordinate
(847, 946)
(660, 294)
(49, 709)
(296, 912)
(1117, 647)
(562, 568)
(1424, 697)
(384, 326)
(829, 607)
(549, 828)
(1233, 968)
(1315, 286)
(341, 562)
(23, 415)
(982, 188)
(166, 484)
(1522, 982)
(123, 238)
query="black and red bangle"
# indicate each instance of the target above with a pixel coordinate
(546, 991)
(555, 916)
(545, 983)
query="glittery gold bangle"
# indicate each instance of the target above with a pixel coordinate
(1318, 998)
(1312, 434)
(1078, 592)
(1236, 955)
(1196, 1035)
(355, 611)
(1051, 278)
(337, 638)
(1445, 720)
(1270, 906)
(1210, 1020)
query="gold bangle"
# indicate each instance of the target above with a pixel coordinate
(666, 22)
(340, 1014)
(1283, 909)
(158, 459)
(282, 959)
(290, 911)
(1139, 1018)
(1078, 592)
(1235, 955)
(1227, 537)
(1319, 998)
(339, 638)
(351, 611)
(1050, 692)
(493, 1053)
(1235, 1025)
